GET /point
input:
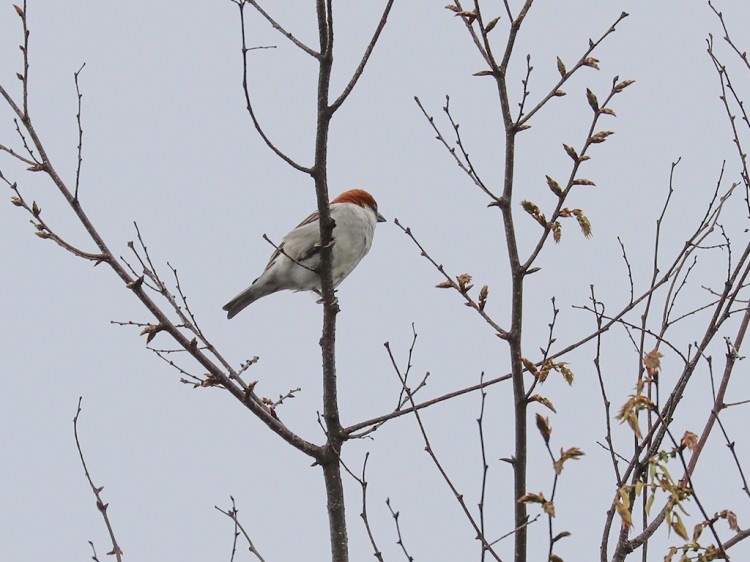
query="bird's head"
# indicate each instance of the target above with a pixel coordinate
(362, 198)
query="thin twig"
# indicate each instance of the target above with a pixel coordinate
(100, 505)
(280, 249)
(465, 164)
(426, 404)
(583, 61)
(362, 481)
(630, 270)
(598, 309)
(278, 27)
(365, 57)
(249, 105)
(485, 468)
(232, 514)
(400, 541)
(80, 131)
(17, 156)
(428, 448)
(464, 293)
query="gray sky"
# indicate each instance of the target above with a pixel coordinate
(168, 144)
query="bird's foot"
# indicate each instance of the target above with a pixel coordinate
(320, 294)
(329, 245)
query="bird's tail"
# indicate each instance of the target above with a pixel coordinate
(246, 298)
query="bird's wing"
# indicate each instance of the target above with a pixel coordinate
(294, 244)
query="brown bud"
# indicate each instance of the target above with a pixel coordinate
(561, 67)
(582, 181)
(544, 427)
(150, 332)
(556, 231)
(464, 282)
(601, 136)
(530, 207)
(483, 292)
(622, 85)
(571, 152)
(554, 186)
(591, 62)
(593, 102)
(543, 401)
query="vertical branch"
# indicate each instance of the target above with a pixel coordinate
(329, 454)
(80, 131)
(485, 467)
(320, 175)
(25, 50)
(517, 279)
(319, 172)
(518, 270)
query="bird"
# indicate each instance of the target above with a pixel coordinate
(295, 264)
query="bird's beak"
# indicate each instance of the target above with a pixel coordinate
(380, 217)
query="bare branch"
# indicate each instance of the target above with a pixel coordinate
(101, 506)
(280, 249)
(278, 27)
(362, 63)
(726, 86)
(135, 285)
(450, 282)
(400, 541)
(598, 309)
(485, 468)
(465, 164)
(362, 481)
(238, 528)
(396, 414)
(80, 130)
(249, 104)
(428, 448)
(15, 154)
(583, 61)
(630, 270)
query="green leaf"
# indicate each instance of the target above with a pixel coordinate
(491, 25)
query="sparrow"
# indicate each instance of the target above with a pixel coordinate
(295, 263)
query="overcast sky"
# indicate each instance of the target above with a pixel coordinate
(168, 144)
